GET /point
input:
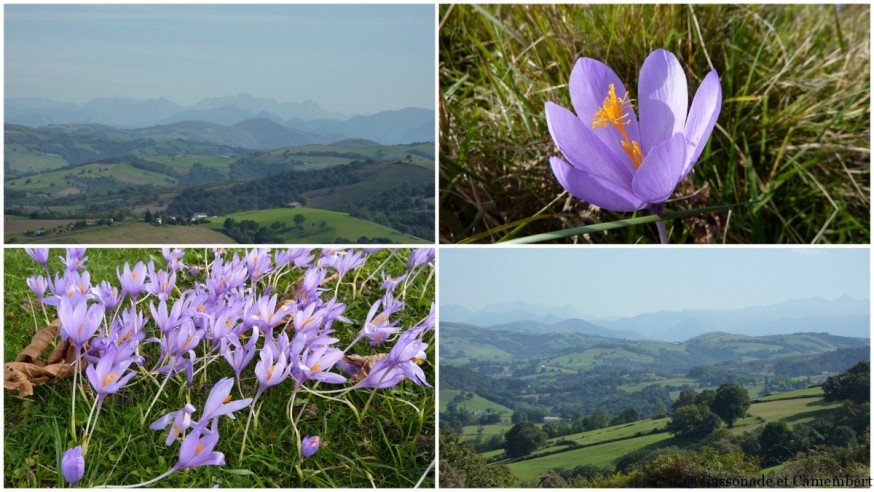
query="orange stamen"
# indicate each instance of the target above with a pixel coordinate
(110, 378)
(614, 112)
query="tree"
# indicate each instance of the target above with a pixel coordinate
(693, 422)
(853, 385)
(686, 398)
(776, 444)
(518, 417)
(148, 217)
(730, 402)
(299, 219)
(523, 439)
(461, 466)
(659, 409)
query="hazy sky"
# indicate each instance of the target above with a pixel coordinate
(348, 58)
(631, 281)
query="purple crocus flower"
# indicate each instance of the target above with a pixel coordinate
(219, 402)
(79, 322)
(107, 294)
(75, 259)
(613, 163)
(108, 375)
(240, 356)
(197, 450)
(39, 255)
(309, 445)
(133, 281)
(73, 465)
(173, 258)
(270, 373)
(419, 257)
(181, 420)
(38, 285)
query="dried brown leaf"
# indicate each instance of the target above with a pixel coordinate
(41, 341)
(22, 376)
(365, 362)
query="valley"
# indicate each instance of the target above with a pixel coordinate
(68, 182)
(598, 404)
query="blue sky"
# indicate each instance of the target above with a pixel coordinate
(631, 281)
(348, 58)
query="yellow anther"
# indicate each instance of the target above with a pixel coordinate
(110, 378)
(198, 449)
(316, 367)
(227, 399)
(418, 360)
(614, 111)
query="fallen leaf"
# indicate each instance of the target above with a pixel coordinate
(41, 341)
(364, 362)
(22, 376)
(29, 369)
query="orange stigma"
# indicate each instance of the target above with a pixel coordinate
(614, 111)
(110, 378)
(227, 399)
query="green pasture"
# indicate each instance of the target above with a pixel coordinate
(20, 159)
(336, 225)
(475, 404)
(130, 233)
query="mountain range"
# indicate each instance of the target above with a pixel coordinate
(843, 316)
(289, 123)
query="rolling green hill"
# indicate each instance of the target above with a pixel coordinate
(319, 226)
(132, 233)
(603, 447)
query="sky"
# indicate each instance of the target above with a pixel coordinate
(353, 59)
(630, 281)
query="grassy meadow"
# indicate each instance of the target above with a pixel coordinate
(603, 447)
(320, 226)
(391, 445)
(788, 161)
(123, 233)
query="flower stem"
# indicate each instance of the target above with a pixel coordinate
(75, 381)
(160, 390)
(149, 482)
(248, 421)
(663, 235)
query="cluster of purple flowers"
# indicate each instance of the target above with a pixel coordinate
(233, 315)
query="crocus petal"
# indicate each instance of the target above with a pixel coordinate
(583, 148)
(660, 172)
(663, 99)
(593, 189)
(589, 85)
(702, 118)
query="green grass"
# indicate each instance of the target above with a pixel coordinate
(814, 391)
(604, 455)
(63, 182)
(24, 160)
(793, 133)
(129, 233)
(477, 403)
(391, 446)
(337, 225)
(183, 164)
(603, 447)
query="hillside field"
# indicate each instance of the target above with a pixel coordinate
(128, 233)
(336, 225)
(603, 447)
